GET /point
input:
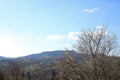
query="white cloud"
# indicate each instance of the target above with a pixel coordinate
(100, 27)
(92, 10)
(73, 35)
(56, 37)
(69, 36)
(101, 33)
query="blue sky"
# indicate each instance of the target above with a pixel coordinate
(33, 26)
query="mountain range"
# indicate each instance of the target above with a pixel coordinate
(1, 57)
(44, 57)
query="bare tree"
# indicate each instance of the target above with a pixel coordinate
(14, 71)
(99, 45)
(2, 75)
(37, 72)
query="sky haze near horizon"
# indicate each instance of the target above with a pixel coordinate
(34, 26)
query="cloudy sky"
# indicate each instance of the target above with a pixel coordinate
(33, 26)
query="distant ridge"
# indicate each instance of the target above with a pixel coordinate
(1, 57)
(47, 57)
(43, 55)
(46, 54)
